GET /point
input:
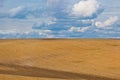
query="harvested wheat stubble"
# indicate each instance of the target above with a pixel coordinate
(56, 59)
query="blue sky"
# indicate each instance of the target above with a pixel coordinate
(59, 19)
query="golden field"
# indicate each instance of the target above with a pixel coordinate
(60, 59)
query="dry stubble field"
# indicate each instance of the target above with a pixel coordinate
(60, 59)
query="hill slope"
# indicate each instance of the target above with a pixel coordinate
(56, 59)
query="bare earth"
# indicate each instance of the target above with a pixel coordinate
(60, 59)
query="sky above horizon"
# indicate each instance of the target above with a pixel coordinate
(59, 19)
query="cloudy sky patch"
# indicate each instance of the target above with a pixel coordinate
(59, 18)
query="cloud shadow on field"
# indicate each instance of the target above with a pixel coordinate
(29, 71)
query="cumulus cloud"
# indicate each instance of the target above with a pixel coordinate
(86, 8)
(106, 24)
(74, 8)
(56, 24)
(60, 9)
(15, 11)
(78, 29)
(7, 31)
(28, 34)
(53, 18)
(44, 22)
(38, 32)
(24, 12)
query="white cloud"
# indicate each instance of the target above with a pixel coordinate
(85, 8)
(78, 29)
(50, 20)
(7, 32)
(44, 32)
(28, 34)
(15, 11)
(39, 32)
(44, 21)
(106, 24)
